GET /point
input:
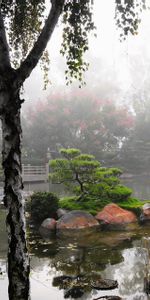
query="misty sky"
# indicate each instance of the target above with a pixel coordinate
(117, 70)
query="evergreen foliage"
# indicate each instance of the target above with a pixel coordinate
(84, 176)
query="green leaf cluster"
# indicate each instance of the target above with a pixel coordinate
(128, 16)
(23, 19)
(78, 23)
(119, 193)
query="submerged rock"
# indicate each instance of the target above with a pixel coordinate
(115, 217)
(74, 292)
(145, 215)
(76, 220)
(104, 284)
(48, 227)
(61, 212)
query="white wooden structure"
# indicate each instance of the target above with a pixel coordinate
(35, 173)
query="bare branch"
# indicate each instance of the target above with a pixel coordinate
(36, 52)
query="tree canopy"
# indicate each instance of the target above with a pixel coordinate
(29, 30)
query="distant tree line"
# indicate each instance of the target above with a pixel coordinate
(83, 121)
(113, 134)
(135, 153)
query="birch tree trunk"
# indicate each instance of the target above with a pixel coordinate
(11, 82)
(18, 260)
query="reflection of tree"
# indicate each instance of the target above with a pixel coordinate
(129, 273)
(102, 254)
(83, 255)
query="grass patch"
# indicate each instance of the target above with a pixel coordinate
(133, 204)
(89, 204)
(94, 205)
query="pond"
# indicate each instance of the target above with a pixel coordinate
(139, 184)
(112, 255)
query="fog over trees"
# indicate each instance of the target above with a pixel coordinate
(84, 121)
(118, 73)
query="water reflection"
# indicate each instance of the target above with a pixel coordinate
(114, 255)
(129, 273)
(83, 255)
(140, 185)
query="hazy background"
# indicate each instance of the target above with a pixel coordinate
(118, 79)
(115, 67)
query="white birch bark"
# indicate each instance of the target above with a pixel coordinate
(10, 104)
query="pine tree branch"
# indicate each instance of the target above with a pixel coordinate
(36, 52)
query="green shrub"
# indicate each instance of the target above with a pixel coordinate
(43, 205)
(119, 193)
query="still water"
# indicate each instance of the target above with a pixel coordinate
(139, 184)
(112, 255)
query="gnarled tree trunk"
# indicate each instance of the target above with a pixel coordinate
(18, 261)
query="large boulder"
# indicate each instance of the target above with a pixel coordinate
(48, 227)
(145, 214)
(115, 217)
(74, 221)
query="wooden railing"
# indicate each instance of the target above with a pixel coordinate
(35, 173)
